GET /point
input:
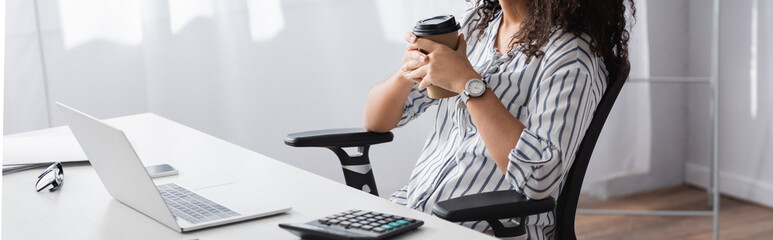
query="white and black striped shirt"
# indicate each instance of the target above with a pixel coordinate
(554, 96)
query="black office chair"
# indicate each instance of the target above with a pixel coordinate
(489, 206)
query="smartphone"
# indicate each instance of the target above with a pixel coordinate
(161, 170)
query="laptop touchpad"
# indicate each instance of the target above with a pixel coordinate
(199, 183)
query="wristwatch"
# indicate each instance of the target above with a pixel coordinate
(474, 88)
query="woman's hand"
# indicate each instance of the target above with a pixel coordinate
(412, 60)
(443, 67)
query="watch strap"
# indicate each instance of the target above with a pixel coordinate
(462, 101)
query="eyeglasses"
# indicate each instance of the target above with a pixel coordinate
(53, 176)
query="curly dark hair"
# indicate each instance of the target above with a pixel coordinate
(604, 21)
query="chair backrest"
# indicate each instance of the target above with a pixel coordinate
(566, 206)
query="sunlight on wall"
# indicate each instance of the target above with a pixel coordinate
(266, 19)
(398, 16)
(394, 20)
(183, 11)
(2, 92)
(89, 20)
(754, 59)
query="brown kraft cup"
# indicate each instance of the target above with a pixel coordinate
(444, 30)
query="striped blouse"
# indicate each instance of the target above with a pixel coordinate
(554, 96)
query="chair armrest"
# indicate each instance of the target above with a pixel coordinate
(343, 137)
(356, 167)
(491, 205)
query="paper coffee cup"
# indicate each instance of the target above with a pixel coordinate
(442, 29)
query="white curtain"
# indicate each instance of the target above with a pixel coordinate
(251, 71)
(624, 146)
(2, 71)
(247, 71)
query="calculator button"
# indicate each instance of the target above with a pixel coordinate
(356, 225)
(368, 215)
(333, 221)
(394, 224)
(378, 217)
(374, 224)
(386, 226)
(367, 227)
(349, 216)
(345, 223)
(389, 219)
(381, 222)
(402, 222)
(378, 229)
(342, 218)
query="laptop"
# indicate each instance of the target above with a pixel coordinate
(183, 206)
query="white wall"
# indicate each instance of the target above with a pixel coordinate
(746, 133)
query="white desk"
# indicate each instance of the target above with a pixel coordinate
(82, 208)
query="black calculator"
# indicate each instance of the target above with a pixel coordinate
(354, 224)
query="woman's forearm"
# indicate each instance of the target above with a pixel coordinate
(499, 129)
(385, 102)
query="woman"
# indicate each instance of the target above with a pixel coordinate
(544, 64)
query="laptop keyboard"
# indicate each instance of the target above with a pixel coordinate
(191, 206)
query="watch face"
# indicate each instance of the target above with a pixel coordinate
(476, 88)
